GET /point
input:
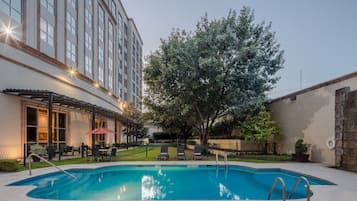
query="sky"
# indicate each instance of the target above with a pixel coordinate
(319, 37)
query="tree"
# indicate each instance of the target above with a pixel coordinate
(222, 68)
(260, 128)
(171, 117)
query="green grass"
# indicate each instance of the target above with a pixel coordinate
(139, 154)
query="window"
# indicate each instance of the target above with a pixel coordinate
(88, 17)
(49, 5)
(110, 78)
(88, 41)
(100, 64)
(114, 9)
(13, 8)
(46, 32)
(37, 126)
(101, 16)
(72, 3)
(71, 51)
(88, 65)
(89, 3)
(100, 54)
(71, 23)
(110, 28)
(100, 34)
(101, 73)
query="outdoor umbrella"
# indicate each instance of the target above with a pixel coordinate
(100, 131)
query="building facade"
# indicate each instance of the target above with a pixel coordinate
(325, 117)
(86, 50)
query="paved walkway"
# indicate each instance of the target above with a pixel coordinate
(345, 190)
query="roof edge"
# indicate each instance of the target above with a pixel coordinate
(317, 86)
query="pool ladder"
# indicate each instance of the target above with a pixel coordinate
(51, 164)
(225, 163)
(281, 180)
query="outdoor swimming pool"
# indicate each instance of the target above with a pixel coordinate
(165, 183)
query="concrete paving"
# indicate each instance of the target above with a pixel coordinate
(344, 190)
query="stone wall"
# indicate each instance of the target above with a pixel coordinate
(349, 137)
(340, 99)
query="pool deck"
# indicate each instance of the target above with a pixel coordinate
(344, 190)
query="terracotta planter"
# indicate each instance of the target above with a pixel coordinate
(301, 157)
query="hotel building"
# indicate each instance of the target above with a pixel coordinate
(66, 67)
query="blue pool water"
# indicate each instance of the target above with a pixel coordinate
(164, 183)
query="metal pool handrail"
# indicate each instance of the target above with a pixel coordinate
(48, 162)
(308, 191)
(273, 187)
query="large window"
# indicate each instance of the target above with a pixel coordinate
(46, 32)
(71, 23)
(100, 138)
(71, 51)
(13, 8)
(37, 126)
(49, 5)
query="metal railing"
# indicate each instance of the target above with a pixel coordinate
(308, 191)
(273, 187)
(48, 162)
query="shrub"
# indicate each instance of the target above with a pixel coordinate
(8, 166)
(164, 136)
(191, 142)
(300, 147)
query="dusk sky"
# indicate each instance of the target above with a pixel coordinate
(319, 37)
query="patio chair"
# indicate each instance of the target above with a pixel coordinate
(197, 153)
(113, 153)
(96, 154)
(164, 154)
(181, 152)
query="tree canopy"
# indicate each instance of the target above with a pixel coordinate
(224, 67)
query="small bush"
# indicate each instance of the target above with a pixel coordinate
(8, 166)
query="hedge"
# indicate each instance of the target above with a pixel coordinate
(8, 166)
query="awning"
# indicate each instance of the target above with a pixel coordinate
(68, 102)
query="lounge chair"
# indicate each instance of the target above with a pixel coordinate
(197, 153)
(181, 152)
(164, 154)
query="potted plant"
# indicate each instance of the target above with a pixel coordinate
(300, 151)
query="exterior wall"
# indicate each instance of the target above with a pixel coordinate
(11, 145)
(311, 116)
(80, 124)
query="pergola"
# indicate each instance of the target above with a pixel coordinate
(51, 98)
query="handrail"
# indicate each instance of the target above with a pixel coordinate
(225, 158)
(48, 162)
(216, 158)
(308, 191)
(273, 187)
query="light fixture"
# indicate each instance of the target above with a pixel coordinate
(109, 93)
(96, 85)
(8, 31)
(72, 71)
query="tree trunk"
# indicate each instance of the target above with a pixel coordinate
(204, 140)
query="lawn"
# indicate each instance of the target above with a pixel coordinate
(140, 154)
